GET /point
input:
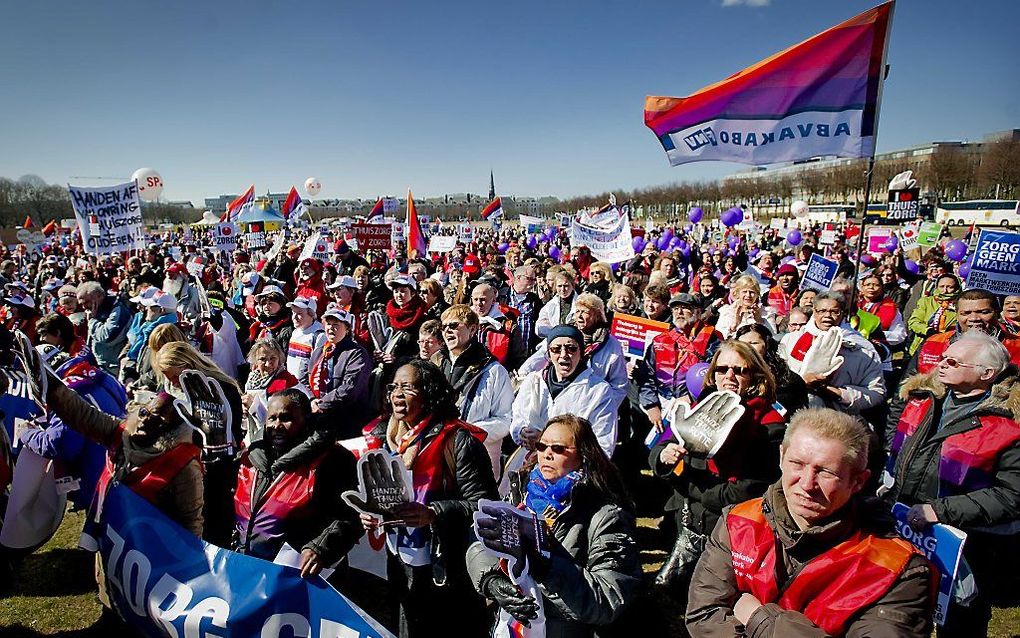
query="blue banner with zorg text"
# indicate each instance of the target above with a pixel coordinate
(166, 582)
(995, 265)
(819, 274)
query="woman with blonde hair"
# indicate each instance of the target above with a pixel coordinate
(600, 280)
(219, 418)
(268, 375)
(743, 468)
(149, 376)
(745, 307)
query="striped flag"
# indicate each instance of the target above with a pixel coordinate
(294, 206)
(819, 97)
(415, 235)
(375, 216)
(494, 209)
(240, 205)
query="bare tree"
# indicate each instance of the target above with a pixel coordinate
(999, 173)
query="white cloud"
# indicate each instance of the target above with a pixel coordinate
(749, 3)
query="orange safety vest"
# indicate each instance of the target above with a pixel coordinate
(831, 588)
(675, 352)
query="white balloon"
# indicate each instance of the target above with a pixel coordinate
(799, 208)
(312, 186)
(150, 184)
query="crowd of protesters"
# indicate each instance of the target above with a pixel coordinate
(235, 390)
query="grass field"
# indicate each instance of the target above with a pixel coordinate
(54, 594)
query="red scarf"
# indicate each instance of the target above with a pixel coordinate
(407, 317)
(319, 375)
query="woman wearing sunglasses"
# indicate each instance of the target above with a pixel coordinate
(427, 538)
(566, 386)
(742, 469)
(593, 570)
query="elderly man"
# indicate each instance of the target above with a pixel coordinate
(976, 309)
(661, 375)
(307, 337)
(498, 327)
(484, 393)
(806, 559)
(955, 459)
(856, 384)
(109, 321)
(189, 301)
(526, 302)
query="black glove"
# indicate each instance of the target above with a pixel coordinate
(509, 598)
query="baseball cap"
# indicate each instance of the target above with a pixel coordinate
(306, 303)
(471, 264)
(684, 299)
(404, 280)
(146, 294)
(344, 281)
(165, 300)
(53, 284)
(176, 269)
(249, 282)
(336, 312)
(269, 291)
(51, 260)
(68, 291)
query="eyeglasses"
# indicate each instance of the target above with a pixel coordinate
(570, 349)
(403, 387)
(832, 312)
(737, 370)
(952, 362)
(452, 325)
(555, 447)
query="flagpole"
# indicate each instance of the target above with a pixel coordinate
(852, 302)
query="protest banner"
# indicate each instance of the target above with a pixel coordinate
(904, 206)
(389, 205)
(996, 263)
(909, 236)
(877, 239)
(37, 502)
(942, 545)
(533, 224)
(777, 223)
(17, 403)
(635, 333)
(316, 247)
(373, 236)
(398, 232)
(109, 217)
(256, 237)
(226, 237)
(819, 274)
(827, 238)
(928, 234)
(165, 581)
(466, 233)
(442, 243)
(608, 239)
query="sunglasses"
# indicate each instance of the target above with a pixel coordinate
(737, 370)
(570, 349)
(453, 325)
(956, 363)
(555, 447)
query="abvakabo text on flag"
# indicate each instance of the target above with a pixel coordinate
(818, 97)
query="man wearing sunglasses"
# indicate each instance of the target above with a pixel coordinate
(955, 459)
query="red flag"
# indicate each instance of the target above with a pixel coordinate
(28, 222)
(240, 205)
(494, 209)
(375, 216)
(415, 236)
(50, 228)
(294, 206)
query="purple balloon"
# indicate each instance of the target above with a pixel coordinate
(532, 242)
(668, 232)
(695, 378)
(956, 250)
(754, 252)
(794, 237)
(732, 217)
(788, 259)
(681, 244)
(662, 243)
(868, 260)
(733, 242)
(688, 227)
(638, 242)
(891, 244)
(674, 243)
(554, 252)
(912, 266)
(964, 270)
(503, 247)
(695, 215)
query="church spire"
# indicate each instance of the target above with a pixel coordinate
(492, 187)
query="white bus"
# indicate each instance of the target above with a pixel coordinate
(982, 212)
(823, 213)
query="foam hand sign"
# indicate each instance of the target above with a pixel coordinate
(822, 357)
(209, 410)
(903, 181)
(704, 428)
(382, 484)
(35, 368)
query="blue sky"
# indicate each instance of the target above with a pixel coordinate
(373, 97)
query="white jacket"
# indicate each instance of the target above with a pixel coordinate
(859, 379)
(487, 405)
(549, 315)
(727, 324)
(608, 362)
(587, 396)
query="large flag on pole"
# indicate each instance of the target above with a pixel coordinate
(819, 97)
(493, 210)
(240, 205)
(294, 206)
(415, 236)
(375, 216)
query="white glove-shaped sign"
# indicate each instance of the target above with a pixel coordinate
(704, 428)
(822, 357)
(903, 181)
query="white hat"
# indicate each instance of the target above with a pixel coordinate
(404, 280)
(164, 300)
(249, 282)
(18, 298)
(345, 281)
(271, 290)
(306, 303)
(147, 293)
(338, 313)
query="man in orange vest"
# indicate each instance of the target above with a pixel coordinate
(955, 459)
(808, 559)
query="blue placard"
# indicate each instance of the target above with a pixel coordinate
(943, 546)
(16, 403)
(996, 263)
(165, 581)
(819, 274)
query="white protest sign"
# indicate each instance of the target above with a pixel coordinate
(827, 238)
(226, 237)
(777, 223)
(196, 266)
(383, 484)
(704, 428)
(389, 205)
(910, 237)
(315, 247)
(466, 233)
(609, 240)
(442, 243)
(110, 217)
(36, 505)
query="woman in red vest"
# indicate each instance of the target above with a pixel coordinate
(742, 468)
(428, 538)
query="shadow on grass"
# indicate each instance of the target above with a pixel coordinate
(57, 572)
(107, 625)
